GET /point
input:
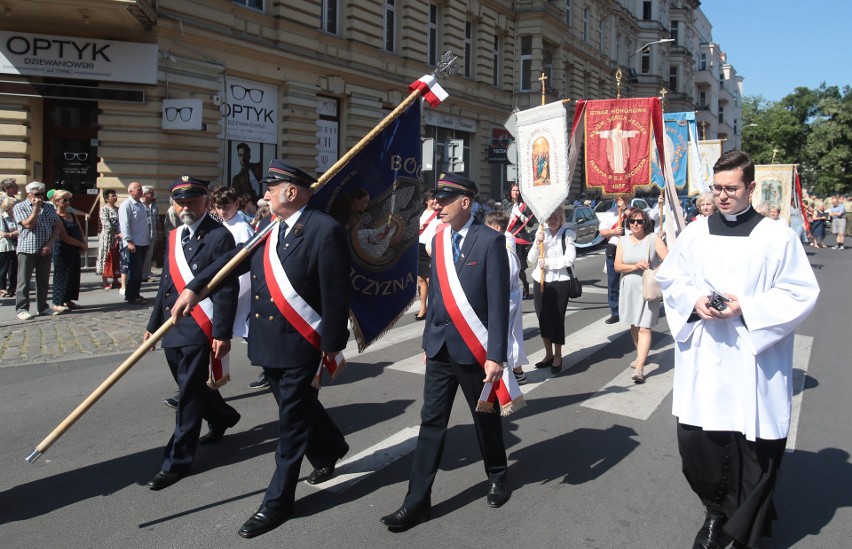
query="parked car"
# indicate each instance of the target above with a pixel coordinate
(607, 204)
(583, 221)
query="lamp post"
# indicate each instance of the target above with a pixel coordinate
(629, 57)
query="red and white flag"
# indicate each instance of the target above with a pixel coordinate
(431, 90)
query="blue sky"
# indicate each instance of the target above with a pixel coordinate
(778, 45)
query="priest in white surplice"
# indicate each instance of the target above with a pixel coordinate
(733, 362)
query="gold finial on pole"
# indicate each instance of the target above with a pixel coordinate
(543, 79)
(663, 93)
(704, 130)
(774, 152)
(618, 76)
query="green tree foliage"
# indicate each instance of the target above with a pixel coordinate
(811, 127)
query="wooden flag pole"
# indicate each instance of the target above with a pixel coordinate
(449, 64)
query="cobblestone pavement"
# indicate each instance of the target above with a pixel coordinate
(104, 325)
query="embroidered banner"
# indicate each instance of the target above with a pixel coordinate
(619, 137)
(701, 178)
(676, 140)
(377, 198)
(542, 139)
(773, 187)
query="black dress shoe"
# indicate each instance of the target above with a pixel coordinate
(404, 518)
(164, 479)
(710, 534)
(498, 494)
(212, 436)
(263, 521)
(321, 474)
(612, 320)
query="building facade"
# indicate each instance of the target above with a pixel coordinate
(98, 93)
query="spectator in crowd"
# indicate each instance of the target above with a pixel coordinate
(516, 357)
(247, 208)
(847, 205)
(261, 213)
(8, 240)
(38, 227)
(612, 228)
(66, 255)
(428, 226)
(109, 242)
(774, 212)
(521, 221)
(818, 221)
(171, 219)
(837, 213)
(642, 249)
(133, 223)
(705, 204)
(551, 299)
(149, 199)
(9, 186)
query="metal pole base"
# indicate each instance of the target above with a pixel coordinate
(34, 456)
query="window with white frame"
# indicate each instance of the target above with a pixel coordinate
(253, 4)
(495, 56)
(721, 114)
(568, 14)
(432, 45)
(646, 11)
(673, 72)
(702, 62)
(390, 26)
(600, 34)
(586, 25)
(646, 63)
(330, 16)
(702, 100)
(675, 31)
(526, 63)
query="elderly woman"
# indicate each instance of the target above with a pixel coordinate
(66, 255)
(705, 204)
(819, 218)
(775, 212)
(557, 262)
(8, 240)
(108, 241)
(640, 250)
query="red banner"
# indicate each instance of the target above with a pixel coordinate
(619, 136)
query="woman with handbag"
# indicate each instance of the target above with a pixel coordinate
(557, 264)
(636, 258)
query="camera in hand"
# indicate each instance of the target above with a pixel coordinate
(717, 302)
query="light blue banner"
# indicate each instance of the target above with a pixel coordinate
(679, 126)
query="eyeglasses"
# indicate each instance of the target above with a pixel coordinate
(239, 93)
(37, 195)
(185, 113)
(717, 189)
(636, 221)
(64, 200)
(82, 157)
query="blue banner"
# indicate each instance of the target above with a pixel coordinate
(676, 141)
(377, 198)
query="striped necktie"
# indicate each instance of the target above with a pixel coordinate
(186, 236)
(456, 245)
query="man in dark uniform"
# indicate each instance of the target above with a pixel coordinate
(479, 258)
(312, 253)
(187, 347)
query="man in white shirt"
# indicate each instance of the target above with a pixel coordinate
(133, 223)
(735, 286)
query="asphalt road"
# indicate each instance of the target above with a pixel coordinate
(593, 458)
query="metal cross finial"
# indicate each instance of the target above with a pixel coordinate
(618, 76)
(542, 79)
(448, 66)
(704, 130)
(774, 152)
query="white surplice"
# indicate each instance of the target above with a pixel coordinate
(516, 354)
(736, 374)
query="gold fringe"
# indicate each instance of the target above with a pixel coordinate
(359, 336)
(485, 407)
(512, 407)
(217, 385)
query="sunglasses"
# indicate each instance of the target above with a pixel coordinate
(636, 221)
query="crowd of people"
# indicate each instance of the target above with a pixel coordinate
(730, 305)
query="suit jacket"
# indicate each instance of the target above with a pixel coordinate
(315, 256)
(212, 241)
(242, 183)
(483, 271)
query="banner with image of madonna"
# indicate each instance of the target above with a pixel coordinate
(376, 196)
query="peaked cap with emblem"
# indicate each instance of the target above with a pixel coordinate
(452, 184)
(187, 186)
(279, 172)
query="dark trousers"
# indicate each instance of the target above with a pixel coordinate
(134, 274)
(27, 265)
(9, 271)
(304, 429)
(189, 367)
(443, 377)
(550, 307)
(613, 282)
(733, 477)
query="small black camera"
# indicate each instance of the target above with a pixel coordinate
(717, 302)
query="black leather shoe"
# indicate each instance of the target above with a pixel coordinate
(212, 436)
(498, 494)
(263, 521)
(321, 474)
(612, 320)
(164, 479)
(404, 518)
(710, 534)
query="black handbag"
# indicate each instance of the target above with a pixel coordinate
(575, 289)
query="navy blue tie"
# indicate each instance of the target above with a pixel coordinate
(456, 245)
(185, 239)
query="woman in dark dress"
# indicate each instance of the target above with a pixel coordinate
(66, 255)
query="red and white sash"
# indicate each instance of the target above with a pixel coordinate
(295, 309)
(428, 221)
(472, 330)
(219, 371)
(514, 219)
